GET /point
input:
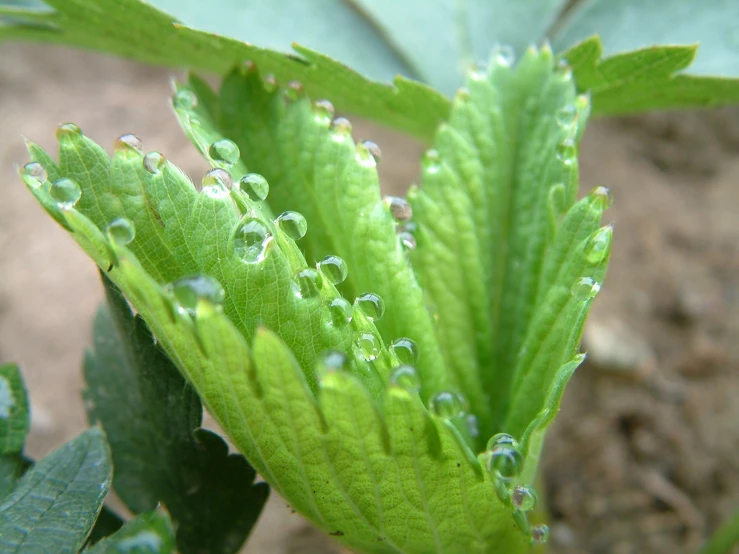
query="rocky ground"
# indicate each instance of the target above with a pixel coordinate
(643, 458)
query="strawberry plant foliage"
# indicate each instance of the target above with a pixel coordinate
(389, 366)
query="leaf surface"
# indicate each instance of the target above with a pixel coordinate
(148, 533)
(55, 504)
(151, 415)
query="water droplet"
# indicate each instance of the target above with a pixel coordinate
(324, 111)
(564, 69)
(224, 151)
(539, 534)
(255, 186)
(333, 360)
(601, 197)
(502, 439)
(585, 289)
(504, 56)
(309, 283)
(127, 142)
(373, 149)
(567, 116)
(447, 405)
(366, 346)
(251, 240)
(479, 72)
(293, 224)
(506, 461)
(68, 129)
(405, 350)
(189, 291)
(248, 67)
(216, 183)
(342, 129)
(431, 161)
(34, 174)
(598, 245)
(65, 193)
(270, 83)
(462, 94)
(154, 162)
(399, 208)
(371, 305)
(121, 231)
(340, 311)
(334, 268)
(567, 151)
(407, 240)
(406, 377)
(185, 100)
(524, 498)
(294, 90)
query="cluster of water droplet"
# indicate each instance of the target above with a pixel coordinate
(505, 462)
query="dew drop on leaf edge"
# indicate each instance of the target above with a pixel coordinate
(293, 224)
(400, 208)
(406, 350)
(127, 142)
(371, 304)
(216, 183)
(502, 439)
(254, 186)
(539, 534)
(68, 129)
(598, 245)
(524, 497)
(154, 162)
(309, 283)
(121, 231)
(601, 196)
(340, 312)
(366, 346)
(189, 291)
(251, 239)
(334, 268)
(447, 404)
(185, 100)
(506, 461)
(66, 193)
(34, 174)
(585, 289)
(224, 151)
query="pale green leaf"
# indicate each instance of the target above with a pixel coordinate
(55, 504)
(625, 25)
(494, 188)
(148, 533)
(646, 79)
(135, 29)
(317, 169)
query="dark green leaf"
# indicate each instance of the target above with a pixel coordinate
(12, 466)
(107, 523)
(148, 533)
(55, 504)
(150, 414)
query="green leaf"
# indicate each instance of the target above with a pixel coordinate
(14, 418)
(14, 424)
(148, 533)
(133, 28)
(725, 538)
(646, 79)
(150, 415)
(508, 259)
(494, 189)
(56, 502)
(626, 25)
(317, 169)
